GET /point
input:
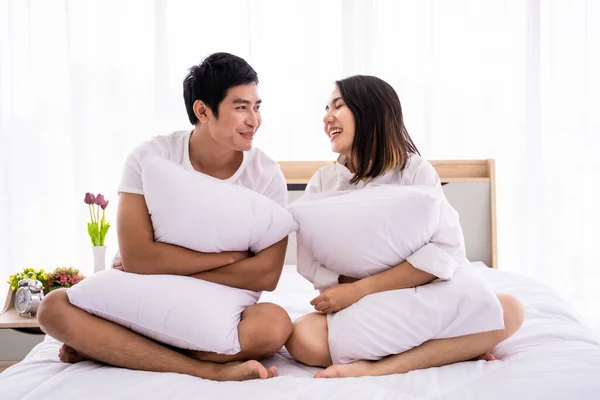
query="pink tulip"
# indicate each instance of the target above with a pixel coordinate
(89, 199)
(104, 205)
(99, 199)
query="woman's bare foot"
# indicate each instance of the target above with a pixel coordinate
(68, 354)
(359, 368)
(369, 368)
(243, 371)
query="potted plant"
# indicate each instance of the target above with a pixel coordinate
(63, 277)
(31, 273)
(97, 228)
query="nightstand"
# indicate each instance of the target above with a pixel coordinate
(28, 328)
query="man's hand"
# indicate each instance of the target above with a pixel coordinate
(337, 297)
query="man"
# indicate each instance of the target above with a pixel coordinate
(222, 103)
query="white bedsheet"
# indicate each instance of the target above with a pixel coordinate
(553, 356)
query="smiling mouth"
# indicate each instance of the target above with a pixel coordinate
(247, 136)
(334, 133)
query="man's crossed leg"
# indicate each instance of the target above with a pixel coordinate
(263, 330)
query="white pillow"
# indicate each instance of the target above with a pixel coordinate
(360, 233)
(196, 211)
(180, 311)
(363, 232)
(202, 213)
(395, 321)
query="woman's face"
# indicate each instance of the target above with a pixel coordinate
(339, 124)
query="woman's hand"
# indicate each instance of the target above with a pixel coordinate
(337, 297)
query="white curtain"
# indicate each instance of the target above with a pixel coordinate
(83, 82)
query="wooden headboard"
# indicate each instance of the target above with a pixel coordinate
(469, 185)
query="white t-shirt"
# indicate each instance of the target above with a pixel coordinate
(445, 252)
(257, 172)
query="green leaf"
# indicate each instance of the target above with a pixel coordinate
(91, 231)
(103, 231)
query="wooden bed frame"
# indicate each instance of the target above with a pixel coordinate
(298, 173)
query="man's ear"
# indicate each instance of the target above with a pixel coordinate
(201, 110)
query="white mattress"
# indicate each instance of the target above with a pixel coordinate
(553, 356)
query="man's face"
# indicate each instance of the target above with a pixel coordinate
(239, 118)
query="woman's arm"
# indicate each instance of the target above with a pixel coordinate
(442, 256)
(446, 250)
(437, 259)
(402, 276)
(350, 290)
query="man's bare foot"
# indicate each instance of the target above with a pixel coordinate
(485, 357)
(243, 371)
(273, 372)
(359, 368)
(68, 354)
(233, 371)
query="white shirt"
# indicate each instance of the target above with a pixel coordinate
(258, 171)
(440, 257)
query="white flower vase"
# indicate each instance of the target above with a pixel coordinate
(99, 258)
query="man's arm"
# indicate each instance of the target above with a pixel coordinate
(140, 254)
(258, 273)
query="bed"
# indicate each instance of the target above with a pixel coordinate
(553, 356)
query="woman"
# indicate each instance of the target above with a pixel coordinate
(364, 123)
